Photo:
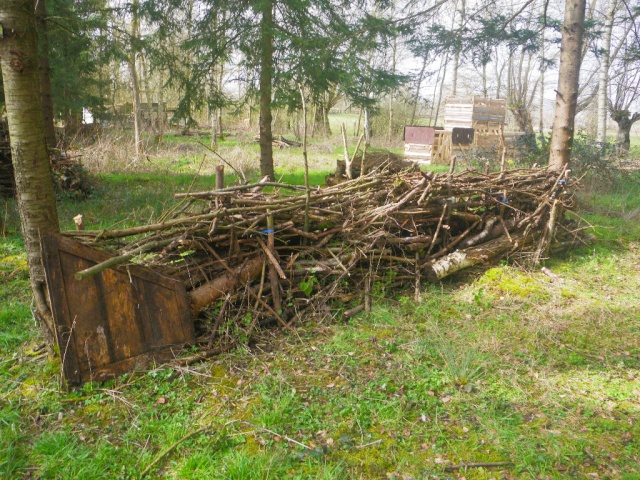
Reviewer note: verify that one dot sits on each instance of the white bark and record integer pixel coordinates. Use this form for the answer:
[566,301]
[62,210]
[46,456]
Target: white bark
[601,132]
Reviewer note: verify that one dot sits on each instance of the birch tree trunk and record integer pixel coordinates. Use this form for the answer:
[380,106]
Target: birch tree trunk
[601,127]
[34,182]
[568,84]
[367,127]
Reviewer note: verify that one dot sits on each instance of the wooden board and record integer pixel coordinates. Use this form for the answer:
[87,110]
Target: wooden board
[419,135]
[462,136]
[418,152]
[115,321]
[471,112]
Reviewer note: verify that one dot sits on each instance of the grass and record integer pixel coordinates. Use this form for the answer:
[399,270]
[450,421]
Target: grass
[501,365]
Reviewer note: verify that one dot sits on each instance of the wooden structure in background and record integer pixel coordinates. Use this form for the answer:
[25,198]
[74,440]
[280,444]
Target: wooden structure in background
[116,320]
[479,113]
[421,142]
[469,122]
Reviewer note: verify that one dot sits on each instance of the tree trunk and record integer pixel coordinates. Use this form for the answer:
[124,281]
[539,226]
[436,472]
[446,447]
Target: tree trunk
[625,121]
[213,111]
[367,127]
[393,70]
[266,80]
[456,57]
[568,83]
[416,97]
[34,182]
[522,116]
[45,74]
[321,119]
[543,67]
[135,84]
[601,128]
[220,82]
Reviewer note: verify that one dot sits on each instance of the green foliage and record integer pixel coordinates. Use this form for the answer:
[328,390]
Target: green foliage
[77,51]
[307,285]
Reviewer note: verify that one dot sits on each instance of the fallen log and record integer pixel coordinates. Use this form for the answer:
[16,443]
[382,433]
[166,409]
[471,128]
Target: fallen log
[209,292]
[487,252]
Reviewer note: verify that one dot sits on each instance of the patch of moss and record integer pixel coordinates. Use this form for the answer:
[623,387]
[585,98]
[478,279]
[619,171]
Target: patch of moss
[506,281]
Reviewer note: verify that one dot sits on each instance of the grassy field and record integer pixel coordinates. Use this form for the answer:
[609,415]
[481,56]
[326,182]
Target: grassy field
[498,373]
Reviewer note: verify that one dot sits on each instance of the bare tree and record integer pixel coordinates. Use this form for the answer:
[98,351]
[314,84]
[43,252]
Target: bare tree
[624,82]
[601,130]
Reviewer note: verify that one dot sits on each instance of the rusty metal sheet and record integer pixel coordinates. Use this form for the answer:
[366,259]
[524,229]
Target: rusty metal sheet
[462,136]
[115,321]
[419,135]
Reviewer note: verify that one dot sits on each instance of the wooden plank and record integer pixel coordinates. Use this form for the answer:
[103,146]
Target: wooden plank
[115,320]
[64,323]
[419,135]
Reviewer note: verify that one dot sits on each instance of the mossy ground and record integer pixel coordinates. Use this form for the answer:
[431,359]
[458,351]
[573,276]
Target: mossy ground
[505,366]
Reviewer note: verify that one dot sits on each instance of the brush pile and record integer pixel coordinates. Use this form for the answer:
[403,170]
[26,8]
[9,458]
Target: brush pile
[70,178]
[251,258]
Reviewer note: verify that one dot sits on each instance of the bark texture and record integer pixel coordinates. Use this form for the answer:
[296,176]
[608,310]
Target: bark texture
[568,84]
[34,182]
[266,80]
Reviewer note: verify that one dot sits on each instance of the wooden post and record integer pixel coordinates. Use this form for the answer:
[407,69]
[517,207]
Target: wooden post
[79,221]
[273,273]
[347,159]
[219,177]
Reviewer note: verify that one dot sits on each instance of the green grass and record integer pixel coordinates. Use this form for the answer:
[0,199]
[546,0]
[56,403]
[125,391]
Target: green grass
[503,367]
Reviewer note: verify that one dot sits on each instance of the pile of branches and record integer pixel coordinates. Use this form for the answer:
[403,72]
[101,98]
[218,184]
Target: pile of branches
[70,178]
[251,258]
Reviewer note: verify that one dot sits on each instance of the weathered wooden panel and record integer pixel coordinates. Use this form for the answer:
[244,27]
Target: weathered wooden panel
[471,112]
[419,135]
[118,319]
[417,152]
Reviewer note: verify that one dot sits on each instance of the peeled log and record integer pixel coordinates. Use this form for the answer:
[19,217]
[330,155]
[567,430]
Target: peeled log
[461,259]
[208,293]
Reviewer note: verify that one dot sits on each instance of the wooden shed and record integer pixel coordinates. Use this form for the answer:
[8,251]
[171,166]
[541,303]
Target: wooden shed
[468,122]
[420,142]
